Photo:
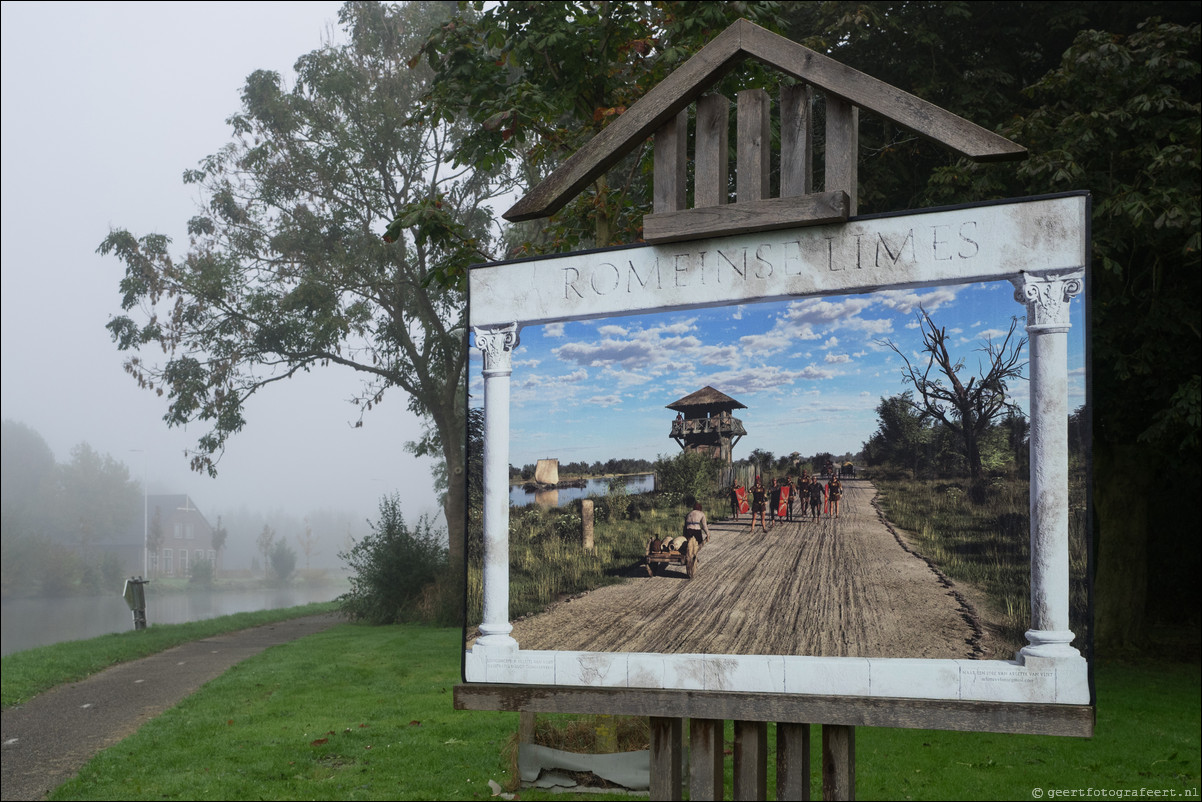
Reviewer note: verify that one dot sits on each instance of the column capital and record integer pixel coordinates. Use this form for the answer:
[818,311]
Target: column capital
[496,343]
[1047,297]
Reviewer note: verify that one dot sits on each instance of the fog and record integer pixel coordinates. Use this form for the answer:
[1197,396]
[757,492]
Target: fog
[104,106]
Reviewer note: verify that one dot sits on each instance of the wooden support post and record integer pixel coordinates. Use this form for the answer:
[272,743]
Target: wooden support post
[665,758]
[751,760]
[838,762]
[671,164]
[711,162]
[526,726]
[796,141]
[843,149]
[793,761]
[706,774]
[586,524]
[753,162]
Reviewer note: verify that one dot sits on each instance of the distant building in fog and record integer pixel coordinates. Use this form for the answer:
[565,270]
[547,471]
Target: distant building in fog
[177,537]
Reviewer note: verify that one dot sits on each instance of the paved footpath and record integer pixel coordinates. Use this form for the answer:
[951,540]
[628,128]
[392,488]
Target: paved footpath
[49,739]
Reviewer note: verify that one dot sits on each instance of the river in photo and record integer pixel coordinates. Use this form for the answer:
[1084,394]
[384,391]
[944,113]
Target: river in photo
[593,488]
[27,623]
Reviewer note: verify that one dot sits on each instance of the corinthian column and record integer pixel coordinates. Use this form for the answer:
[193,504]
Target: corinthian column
[1047,300]
[496,343]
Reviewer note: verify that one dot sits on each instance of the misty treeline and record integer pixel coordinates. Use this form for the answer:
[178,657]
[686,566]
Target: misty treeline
[56,517]
[76,527]
[425,112]
[614,466]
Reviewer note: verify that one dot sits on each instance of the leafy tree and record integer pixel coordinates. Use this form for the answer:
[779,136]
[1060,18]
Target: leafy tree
[27,479]
[968,407]
[286,269]
[392,568]
[1119,115]
[281,560]
[539,79]
[903,435]
[308,542]
[688,476]
[220,535]
[265,542]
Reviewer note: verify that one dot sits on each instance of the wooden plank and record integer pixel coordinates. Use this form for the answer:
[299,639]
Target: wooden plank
[526,727]
[741,40]
[843,150]
[745,218]
[793,761]
[751,760]
[862,90]
[796,140]
[661,103]
[753,162]
[934,714]
[665,758]
[706,759]
[711,170]
[838,762]
[671,164]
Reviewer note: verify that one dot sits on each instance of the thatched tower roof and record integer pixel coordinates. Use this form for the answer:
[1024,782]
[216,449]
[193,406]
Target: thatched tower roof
[707,399]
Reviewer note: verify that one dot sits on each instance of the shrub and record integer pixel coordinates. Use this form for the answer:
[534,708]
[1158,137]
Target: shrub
[688,476]
[393,568]
[202,573]
[282,561]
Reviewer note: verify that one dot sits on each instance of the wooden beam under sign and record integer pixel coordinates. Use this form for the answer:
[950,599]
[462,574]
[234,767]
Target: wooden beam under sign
[1029,718]
[745,218]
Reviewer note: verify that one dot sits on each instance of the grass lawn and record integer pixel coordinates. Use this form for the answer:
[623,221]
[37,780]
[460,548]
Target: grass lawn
[32,671]
[360,712]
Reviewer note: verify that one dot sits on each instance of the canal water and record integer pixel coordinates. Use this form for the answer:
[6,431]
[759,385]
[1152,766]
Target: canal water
[26,623]
[594,488]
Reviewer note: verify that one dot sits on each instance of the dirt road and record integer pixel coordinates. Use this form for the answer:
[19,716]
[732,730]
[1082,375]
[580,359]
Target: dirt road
[839,587]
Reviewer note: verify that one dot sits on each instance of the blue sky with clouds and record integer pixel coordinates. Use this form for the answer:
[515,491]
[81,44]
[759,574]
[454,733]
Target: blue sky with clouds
[810,371]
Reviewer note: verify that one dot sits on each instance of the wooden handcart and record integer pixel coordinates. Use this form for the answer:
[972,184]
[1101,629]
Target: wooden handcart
[660,555]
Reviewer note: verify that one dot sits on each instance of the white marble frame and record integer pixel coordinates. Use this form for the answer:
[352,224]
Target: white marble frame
[1040,244]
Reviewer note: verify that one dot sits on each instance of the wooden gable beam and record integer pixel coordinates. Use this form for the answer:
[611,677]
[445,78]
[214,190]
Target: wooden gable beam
[642,119]
[742,40]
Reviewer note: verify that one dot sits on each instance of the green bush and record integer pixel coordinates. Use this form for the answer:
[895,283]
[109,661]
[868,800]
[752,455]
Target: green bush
[687,477]
[395,569]
[202,573]
[282,561]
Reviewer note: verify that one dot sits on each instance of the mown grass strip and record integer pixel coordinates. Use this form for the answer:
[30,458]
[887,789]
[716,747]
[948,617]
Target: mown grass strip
[28,673]
[360,712]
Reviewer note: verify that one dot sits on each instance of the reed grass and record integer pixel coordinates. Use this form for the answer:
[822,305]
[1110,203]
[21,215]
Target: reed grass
[547,561]
[987,545]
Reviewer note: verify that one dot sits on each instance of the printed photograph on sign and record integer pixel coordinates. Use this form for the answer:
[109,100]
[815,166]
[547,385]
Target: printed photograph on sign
[838,476]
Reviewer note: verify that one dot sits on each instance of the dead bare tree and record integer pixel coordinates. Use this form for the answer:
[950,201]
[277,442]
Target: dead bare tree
[967,407]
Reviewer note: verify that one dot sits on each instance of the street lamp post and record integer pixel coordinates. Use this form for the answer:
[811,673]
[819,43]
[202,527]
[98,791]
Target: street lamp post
[145,512]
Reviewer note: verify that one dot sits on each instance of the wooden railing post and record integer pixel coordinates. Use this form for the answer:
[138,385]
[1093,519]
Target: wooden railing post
[793,761]
[665,758]
[751,760]
[838,762]
[706,770]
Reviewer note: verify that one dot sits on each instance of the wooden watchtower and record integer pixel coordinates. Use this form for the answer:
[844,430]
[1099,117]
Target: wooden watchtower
[706,423]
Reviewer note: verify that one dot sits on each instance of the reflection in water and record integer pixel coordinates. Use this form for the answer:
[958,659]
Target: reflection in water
[520,497]
[38,622]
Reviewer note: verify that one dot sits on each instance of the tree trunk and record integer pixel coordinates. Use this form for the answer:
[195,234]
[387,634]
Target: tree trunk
[1121,488]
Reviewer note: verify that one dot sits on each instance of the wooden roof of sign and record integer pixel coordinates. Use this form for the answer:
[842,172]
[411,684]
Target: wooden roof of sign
[706,397]
[660,110]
